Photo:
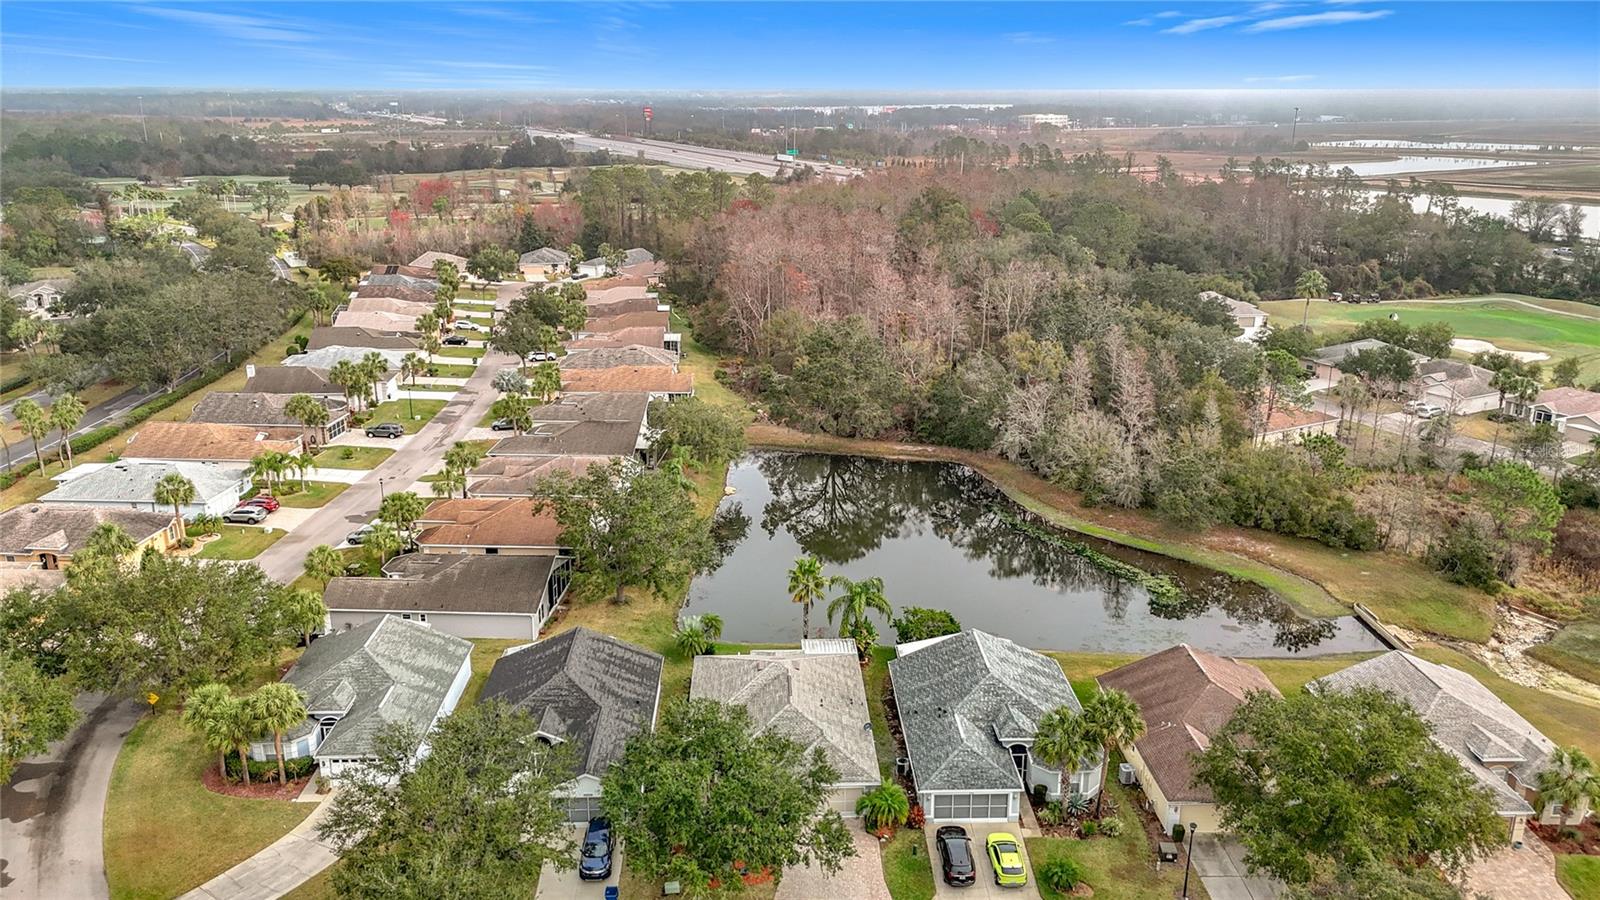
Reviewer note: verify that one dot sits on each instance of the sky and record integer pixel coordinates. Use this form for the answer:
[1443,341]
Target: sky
[798,46]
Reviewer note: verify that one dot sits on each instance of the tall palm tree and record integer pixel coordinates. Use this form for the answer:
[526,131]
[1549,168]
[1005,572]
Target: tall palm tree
[545,382]
[807,585]
[35,424]
[241,728]
[324,563]
[1111,718]
[278,707]
[447,482]
[210,712]
[346,375]
[384,539]
[310,413]
[1569,780]
[374,366]
[856,599]
[65,414]
[1062,742]
[176,490]
[304,463]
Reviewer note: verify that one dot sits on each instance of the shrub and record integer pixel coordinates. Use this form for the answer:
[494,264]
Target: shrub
[1465,556]
[916,817]
[1111,827]
[347,453]
[1090,828]
[917,623]
[884,807]
[1060,874]
[1077,806]
[267,769]
[1049,814]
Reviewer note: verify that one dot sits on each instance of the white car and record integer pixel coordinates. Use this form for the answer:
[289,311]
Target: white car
[468,325]
[1428,411]
[541,356]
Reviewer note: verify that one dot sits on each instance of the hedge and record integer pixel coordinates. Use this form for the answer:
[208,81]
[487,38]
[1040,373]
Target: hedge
[11,384]
[267,769]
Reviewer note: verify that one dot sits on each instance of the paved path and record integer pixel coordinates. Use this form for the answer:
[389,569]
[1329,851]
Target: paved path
[1220,866]
[52,811]
[861,878]
[277,869]
[412,459]
[1507,874]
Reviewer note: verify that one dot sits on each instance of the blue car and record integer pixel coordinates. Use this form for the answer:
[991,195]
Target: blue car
[594,863]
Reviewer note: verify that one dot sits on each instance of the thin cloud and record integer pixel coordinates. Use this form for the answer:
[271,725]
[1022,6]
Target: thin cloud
[500,13]
[1029,37]
[1313,20]
[1139,22]
[1272,6]
[1279,79]
[254,29]
[1193,25]
[1168,14]
[72,54]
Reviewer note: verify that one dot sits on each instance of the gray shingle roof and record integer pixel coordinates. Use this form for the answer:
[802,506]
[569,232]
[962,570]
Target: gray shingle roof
[230,408]
[544,256]
[372,339]
[816,700]
[1468,720]
[1334,354]
[612,357]
[954,695]
[387,670]
[135,482]
[291,380]
[599,424]
[63,529]
[447,583]
[326,357]
[589,689]
[398,280]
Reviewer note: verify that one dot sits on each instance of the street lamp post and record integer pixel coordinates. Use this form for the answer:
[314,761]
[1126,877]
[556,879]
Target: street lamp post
[1188,860]
[380,490]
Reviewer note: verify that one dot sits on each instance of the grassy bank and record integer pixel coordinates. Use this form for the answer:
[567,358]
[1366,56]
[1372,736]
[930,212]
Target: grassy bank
[1568,722]
[1575,650]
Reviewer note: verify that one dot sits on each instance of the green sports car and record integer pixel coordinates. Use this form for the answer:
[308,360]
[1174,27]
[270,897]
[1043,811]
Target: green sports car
[1005,857]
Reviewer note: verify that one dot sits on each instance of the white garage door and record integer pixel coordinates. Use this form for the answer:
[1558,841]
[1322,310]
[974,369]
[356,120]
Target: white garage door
[971,806]
[582,809]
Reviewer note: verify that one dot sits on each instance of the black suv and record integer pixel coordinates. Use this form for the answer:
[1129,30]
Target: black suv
[955,855]
[386,430]
[594,862]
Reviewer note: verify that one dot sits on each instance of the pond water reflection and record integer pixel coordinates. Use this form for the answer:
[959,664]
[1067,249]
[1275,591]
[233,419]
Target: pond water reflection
[934,533]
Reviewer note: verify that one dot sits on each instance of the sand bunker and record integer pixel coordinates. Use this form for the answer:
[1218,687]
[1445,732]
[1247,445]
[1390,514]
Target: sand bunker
[1469,345]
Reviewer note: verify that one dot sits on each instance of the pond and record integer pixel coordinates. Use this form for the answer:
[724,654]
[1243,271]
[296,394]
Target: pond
[942,536]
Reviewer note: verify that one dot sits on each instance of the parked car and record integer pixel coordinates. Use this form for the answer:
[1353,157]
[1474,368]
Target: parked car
[455,340]
[502,425]
[1005,857]
[541,356]
[955,855]
[245,515]
[265,501]
[594,861]
[358,536]
[389,430]
[464,325]
[1428,411]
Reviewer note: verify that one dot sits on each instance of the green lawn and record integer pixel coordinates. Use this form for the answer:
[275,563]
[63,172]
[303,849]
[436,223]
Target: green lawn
[439,388]
[906,867]
[358,457]
[240,542]
[1567,722]
[1580,875]
[474,305]
[315,494]
[446,370]
[318,887]
[484,653]
[1119,868]
[877,676]
[165,834]
[461,352]
[1575,649]
[402,411]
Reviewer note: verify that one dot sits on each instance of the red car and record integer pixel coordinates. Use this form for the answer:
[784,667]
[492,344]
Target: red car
[265,501]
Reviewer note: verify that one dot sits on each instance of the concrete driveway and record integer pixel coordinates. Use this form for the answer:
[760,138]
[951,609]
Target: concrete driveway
[1220,865]
[985,887]
[860,878]
[564,884]
[51,813]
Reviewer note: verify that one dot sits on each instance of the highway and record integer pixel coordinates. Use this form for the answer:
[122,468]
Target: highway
[734,162]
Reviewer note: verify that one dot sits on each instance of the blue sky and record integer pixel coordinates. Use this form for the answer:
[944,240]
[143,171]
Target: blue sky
[1320,44]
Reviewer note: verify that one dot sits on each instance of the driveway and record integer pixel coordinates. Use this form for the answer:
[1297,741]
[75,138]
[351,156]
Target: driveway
[984,887]
[55,804]
[1220,865]
[1507,874]
[860,878]
[564,884]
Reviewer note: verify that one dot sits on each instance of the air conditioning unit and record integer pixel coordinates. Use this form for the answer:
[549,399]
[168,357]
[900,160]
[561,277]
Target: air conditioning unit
[1125,774]
[902,765]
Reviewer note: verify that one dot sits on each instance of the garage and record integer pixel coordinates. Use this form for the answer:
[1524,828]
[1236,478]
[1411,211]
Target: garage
[582,809]
[964,807]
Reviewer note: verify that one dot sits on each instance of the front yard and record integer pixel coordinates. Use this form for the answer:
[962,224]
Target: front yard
[1118,868]
[444,370]
[348,457]
[401,411]
[1580,875]
[240,542]
[315,494]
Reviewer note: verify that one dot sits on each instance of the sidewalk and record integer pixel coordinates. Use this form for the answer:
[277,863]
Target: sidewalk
[284,865]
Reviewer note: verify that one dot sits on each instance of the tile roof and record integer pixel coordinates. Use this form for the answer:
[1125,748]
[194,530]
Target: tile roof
[954,694]
[488,522]
[63,529]
[643,336]
[628,379]
[591,690]
[365,338]
[133,481]
[816,700]
[611,357]
[518,476]
[1184,695]
[1468,720]
[447,582]
[385,671]
[1570,401]
[202,441]
[238,408]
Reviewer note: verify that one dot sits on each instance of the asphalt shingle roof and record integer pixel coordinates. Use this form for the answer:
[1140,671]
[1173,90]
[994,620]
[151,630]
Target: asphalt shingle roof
[600,424]
[544,256]
[205,441]
[427,582]
[611,357]
[135,482]
[365,338]
[517,476]
[230,408]
[488,522]
[63,529]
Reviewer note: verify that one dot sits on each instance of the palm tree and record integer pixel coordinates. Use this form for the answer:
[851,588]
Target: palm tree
[310,413]
[65,414]
[447,482]
[324,563]
[574,257]
[385,539]
[263,466]
[278,707]
[374,367]
[210,712]
[856,599]
[431,343]
[304,462]
[1310,284]
[807,585]
[697,634]
[241,728]
[546,381]
[514,409]
[346,375]
[35,424]
[411,365]
[1062,742]
[177,490]
[1569,781]
[884,807]
[1111,718]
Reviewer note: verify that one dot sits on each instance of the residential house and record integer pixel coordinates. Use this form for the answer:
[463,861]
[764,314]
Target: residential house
[359,682]
[290,380]
[204,442]
[269,413]
[39,299]
[612,357]
[1574,412]
[324,359]
[540,264]
[404,276]
[378,320]
[519,476]
[811,696]
[414,309]
[365,338]
[1323,365]
[393,292]
[130,484]
[426,261]
[622,305]
[1495,744]
[969,706]
[642,336]
[1459,387]
[1185,696]
[1251,319]
[467,596]
[491,526]
[1285,426]
[635,260]
[658,382]
[46,535]
[634,323]
[588,691]
[615,425]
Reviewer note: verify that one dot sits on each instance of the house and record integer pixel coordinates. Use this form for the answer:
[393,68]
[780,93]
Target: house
[540,264]
[394,305]
[426,261]
[643,336]
[1185,696]
[324,359]
[467,596]
[129,484]
[617,304]
[588,691]
[46,535]
[366,338]
[291,380]
[659,382]
[1250,318]
[519,476]
[614,425]
[491,526]
[378,320]
[392,292]
[204,442]
[612,357]
[39,299]
[1574,412]
[1285,426]
[1489,739]
[1323,365]
[969,706]
[636,258]
[810,696]
[1460,387]
[635,324]
[359,682]
[269,413]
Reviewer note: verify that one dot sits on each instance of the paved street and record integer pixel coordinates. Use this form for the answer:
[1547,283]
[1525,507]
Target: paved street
[413,458]
[1220,866]
[22,446]
[51,813]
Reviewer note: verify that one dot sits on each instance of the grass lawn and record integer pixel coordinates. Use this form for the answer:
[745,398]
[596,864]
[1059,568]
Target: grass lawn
[461,352]
[315,494]
[402,410]
[1119,868]
[1575,650]
[910,877]
[1580,875]
[240,542]
[445,370]
[318,887]
[484,653]
[360,457]
[1567,722]
[165,833]
[474,305]
[877,675]
[703,364]
[438,388]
